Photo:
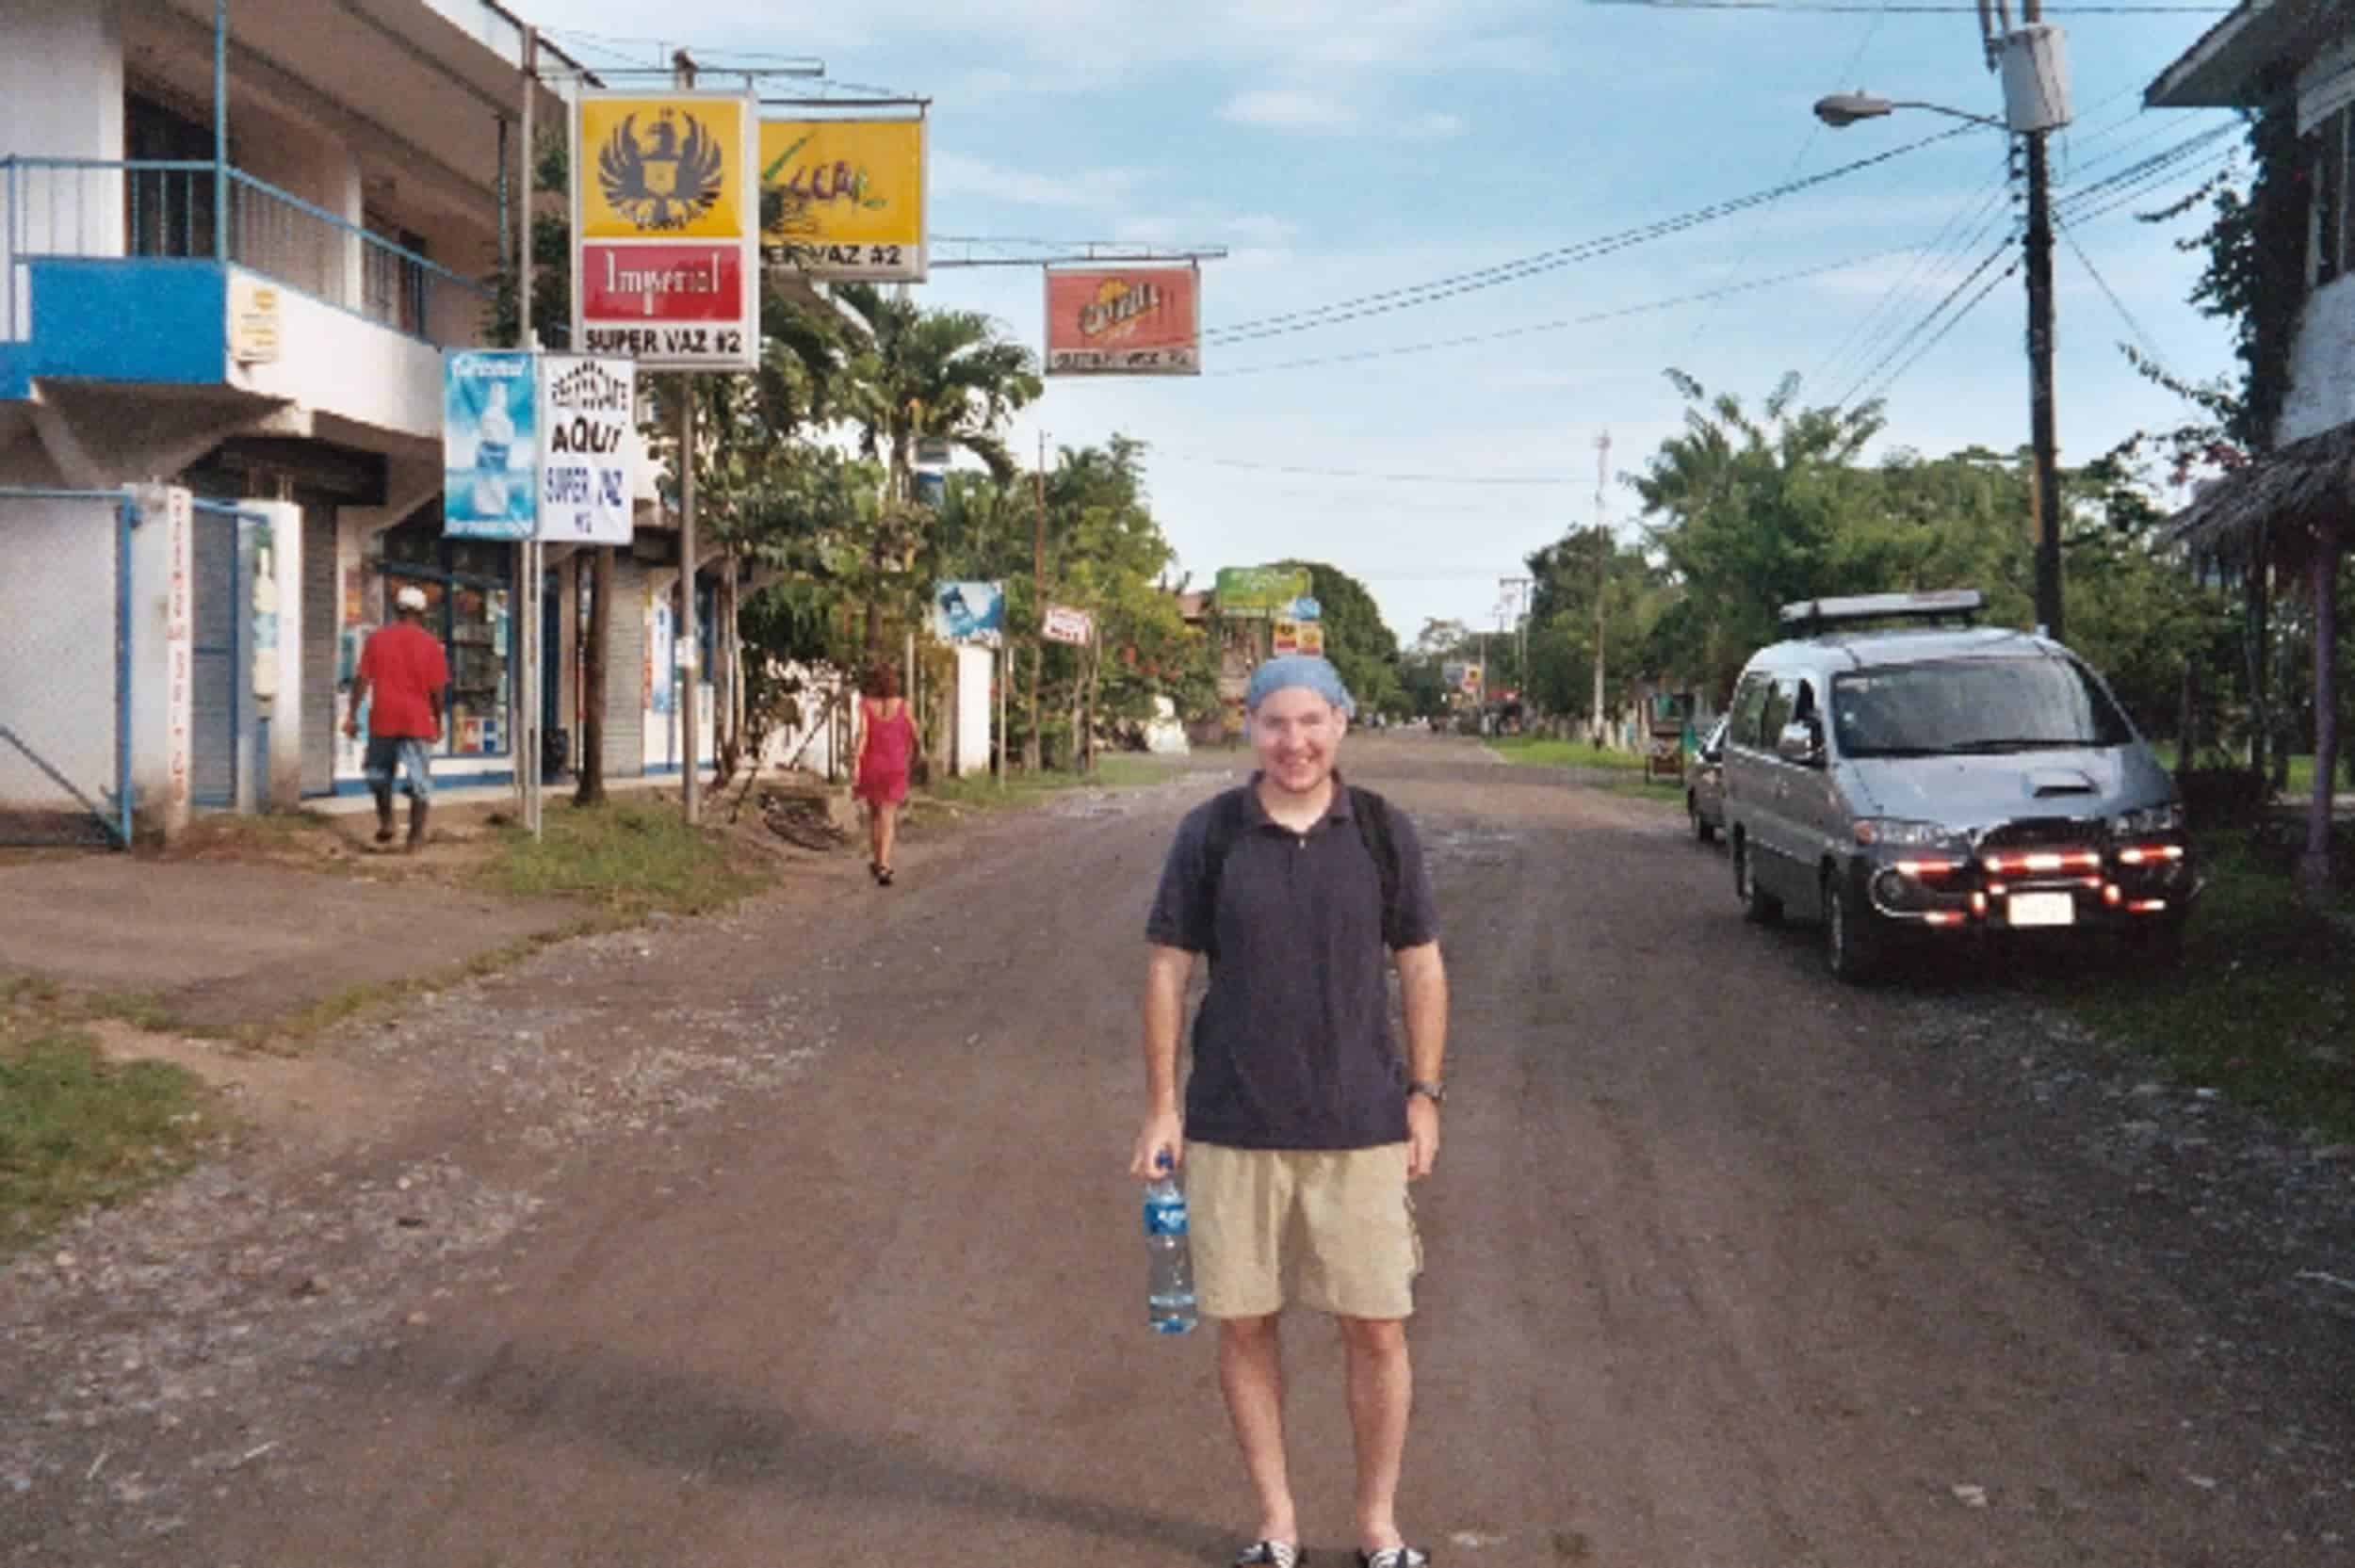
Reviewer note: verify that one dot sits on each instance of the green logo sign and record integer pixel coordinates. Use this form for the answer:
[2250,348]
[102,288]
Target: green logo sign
[1259,589]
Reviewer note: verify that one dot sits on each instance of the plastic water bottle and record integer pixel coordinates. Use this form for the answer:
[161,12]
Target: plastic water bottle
[1169,1282]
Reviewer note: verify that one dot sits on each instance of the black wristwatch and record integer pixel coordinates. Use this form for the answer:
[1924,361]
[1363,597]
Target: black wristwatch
[1431,1088]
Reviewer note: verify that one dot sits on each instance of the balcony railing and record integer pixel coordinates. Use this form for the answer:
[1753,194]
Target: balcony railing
[163,209]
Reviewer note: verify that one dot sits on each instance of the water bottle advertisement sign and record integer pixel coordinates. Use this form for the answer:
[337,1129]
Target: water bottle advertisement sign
[490,444]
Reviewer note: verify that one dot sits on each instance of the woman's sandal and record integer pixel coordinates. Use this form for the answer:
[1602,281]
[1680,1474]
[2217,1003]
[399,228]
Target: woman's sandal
[1271,1554]
[1394,1556]
[883,876]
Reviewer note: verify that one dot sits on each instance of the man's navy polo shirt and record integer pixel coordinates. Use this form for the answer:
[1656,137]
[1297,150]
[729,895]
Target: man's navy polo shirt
[1293,1047]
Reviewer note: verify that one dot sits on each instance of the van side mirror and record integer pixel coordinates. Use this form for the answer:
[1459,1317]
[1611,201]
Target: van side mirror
[1802,743]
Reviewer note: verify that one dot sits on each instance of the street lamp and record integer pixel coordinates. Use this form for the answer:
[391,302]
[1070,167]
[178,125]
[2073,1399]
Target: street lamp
[1842,109]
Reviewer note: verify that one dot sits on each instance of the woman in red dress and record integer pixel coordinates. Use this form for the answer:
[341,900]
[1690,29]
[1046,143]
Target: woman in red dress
[886,748]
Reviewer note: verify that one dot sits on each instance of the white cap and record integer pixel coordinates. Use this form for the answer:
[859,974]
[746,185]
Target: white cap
[410,598]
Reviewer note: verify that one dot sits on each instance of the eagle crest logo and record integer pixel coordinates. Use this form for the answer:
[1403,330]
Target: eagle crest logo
[664,179]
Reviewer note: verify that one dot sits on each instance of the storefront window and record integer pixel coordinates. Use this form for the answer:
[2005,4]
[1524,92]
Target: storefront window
[469,606]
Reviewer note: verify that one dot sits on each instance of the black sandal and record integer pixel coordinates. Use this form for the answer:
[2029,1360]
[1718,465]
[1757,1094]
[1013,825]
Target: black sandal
[883,876]
[1271,1554]
[1394,1556]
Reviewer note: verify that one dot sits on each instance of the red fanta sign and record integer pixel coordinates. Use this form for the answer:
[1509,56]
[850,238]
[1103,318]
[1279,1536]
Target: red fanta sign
[1123,321]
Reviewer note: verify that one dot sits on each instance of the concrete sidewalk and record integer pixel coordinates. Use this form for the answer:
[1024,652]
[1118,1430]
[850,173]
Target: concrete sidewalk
[221,945]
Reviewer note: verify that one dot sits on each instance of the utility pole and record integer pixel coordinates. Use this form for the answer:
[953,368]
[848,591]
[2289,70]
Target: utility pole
[690,781]
[1517,595]
[1602,576]
[2048,503]
[1033,752]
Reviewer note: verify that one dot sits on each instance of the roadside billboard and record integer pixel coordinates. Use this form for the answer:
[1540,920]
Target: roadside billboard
[490,442]
[1066,624]
[969,612]
[849,196]
[1260,592]
[588,410]
[1123,321]
[1299,636]
[665,220]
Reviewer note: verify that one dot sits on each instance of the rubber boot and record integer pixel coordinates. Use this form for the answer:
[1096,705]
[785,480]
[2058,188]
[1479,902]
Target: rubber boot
[383,812]
[416,824]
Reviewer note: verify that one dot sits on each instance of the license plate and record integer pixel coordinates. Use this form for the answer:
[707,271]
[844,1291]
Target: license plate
[2042,909]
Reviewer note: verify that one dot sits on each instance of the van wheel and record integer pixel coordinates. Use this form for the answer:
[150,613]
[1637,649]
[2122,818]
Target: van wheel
[1759,907]
[1851,946]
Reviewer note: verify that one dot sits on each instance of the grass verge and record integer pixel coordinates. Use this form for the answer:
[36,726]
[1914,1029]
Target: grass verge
[76,1129]
[1120,770]
[2263,1007]
[1619,772]
[627,858]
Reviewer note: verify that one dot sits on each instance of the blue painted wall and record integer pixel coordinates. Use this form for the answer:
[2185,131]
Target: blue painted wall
[140,320]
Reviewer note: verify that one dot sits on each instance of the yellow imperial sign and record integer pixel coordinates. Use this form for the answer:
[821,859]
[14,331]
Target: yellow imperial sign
[847,196]
[662,168]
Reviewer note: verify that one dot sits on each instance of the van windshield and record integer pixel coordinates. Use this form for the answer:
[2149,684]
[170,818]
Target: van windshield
[1973,705]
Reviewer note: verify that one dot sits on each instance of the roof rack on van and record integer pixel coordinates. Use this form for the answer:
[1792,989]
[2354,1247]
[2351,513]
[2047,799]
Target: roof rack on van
[1806,617]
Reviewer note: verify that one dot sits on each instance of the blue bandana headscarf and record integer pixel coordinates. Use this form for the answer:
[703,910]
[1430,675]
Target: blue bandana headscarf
[1301,669]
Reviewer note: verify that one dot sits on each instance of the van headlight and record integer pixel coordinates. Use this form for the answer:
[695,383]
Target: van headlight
[2164,818]
[1896,833]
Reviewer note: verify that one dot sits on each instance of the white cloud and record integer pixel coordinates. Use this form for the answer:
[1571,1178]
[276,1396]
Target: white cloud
[956,174]
[1289,110]
[1436,125]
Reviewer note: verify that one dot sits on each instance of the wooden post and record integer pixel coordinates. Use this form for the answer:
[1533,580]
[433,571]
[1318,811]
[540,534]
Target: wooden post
[2313,867]
[591,791]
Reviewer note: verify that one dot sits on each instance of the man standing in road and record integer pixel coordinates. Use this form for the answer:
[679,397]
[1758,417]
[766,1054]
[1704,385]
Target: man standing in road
[1301,1127]
[404,667]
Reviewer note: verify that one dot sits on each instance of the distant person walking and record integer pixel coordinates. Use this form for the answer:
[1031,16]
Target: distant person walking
[405,670]
[887,748]
[1301,1125]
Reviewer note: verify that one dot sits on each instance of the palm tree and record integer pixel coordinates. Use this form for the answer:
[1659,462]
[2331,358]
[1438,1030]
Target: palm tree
[944,374]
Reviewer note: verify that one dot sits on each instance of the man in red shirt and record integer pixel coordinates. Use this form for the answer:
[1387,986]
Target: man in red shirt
[404,667]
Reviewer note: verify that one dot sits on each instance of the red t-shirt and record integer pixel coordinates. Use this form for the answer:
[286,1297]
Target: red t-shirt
[402,665]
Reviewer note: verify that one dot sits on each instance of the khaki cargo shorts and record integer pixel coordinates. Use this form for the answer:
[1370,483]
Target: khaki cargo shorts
[1338,1220]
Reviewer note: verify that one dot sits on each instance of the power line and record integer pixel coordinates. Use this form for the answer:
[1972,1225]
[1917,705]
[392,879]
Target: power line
[2155,164]
[2196,169]
[1723,291]
[2117,304]
[1815,127]
[1849,398]
[1545,261]
[1952,322]
[1958,237]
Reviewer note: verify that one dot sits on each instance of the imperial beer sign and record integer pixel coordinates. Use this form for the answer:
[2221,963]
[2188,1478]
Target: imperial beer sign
[666,217]
[1123,321]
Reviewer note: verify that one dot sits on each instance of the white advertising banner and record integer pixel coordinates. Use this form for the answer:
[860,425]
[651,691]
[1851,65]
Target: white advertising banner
[1066,624]
[586,410]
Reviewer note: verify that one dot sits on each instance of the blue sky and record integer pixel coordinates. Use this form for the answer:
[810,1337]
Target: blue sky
[1340,147]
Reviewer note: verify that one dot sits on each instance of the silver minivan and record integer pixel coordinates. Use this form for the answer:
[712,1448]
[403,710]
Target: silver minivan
[1885,774]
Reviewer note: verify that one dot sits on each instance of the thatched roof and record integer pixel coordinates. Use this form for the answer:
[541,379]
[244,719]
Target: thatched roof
[2285,492]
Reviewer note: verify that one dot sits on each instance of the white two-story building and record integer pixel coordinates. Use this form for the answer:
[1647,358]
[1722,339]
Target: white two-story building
[234,239]
[2296,58]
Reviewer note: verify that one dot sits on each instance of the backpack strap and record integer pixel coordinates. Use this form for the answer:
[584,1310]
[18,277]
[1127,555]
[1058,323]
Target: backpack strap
[1227,819]
[1373,816]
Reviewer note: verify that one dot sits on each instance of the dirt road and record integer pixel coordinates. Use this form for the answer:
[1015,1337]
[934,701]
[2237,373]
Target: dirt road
[803,1237]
